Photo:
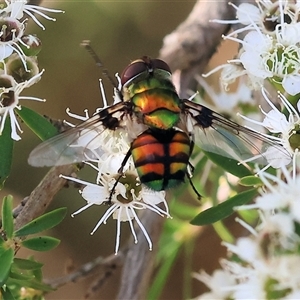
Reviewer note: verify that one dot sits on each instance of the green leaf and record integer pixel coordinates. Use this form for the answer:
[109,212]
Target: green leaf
[228,164]
[250,181]
[6,260]
[37,123]
[27,264]
[7,216]
[6,294]
[6,152]
[33,284]
[224,209]
[17,275]
[44,222]
[42,243]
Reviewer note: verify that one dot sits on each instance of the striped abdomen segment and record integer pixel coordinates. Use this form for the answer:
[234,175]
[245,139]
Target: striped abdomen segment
[161,158]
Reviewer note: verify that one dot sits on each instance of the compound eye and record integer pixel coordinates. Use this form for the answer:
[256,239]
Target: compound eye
[135,68]
[160,64]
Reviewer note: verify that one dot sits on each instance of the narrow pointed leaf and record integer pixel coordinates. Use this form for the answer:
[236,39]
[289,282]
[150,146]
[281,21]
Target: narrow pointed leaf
[20,276]
[6,260]
[37,123]
[229,165]
[33,284]
[224,209]
[44,222]
[27,264]
[7,216]
[42,243]
[6,152]
[250,181]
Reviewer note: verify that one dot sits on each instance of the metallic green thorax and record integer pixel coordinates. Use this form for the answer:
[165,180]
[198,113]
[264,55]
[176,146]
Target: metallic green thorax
[155,100]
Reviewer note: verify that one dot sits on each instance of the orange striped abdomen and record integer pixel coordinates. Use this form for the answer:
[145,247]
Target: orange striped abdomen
[161,157]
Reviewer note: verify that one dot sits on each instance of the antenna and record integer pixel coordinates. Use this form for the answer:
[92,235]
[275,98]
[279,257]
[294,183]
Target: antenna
[87,45]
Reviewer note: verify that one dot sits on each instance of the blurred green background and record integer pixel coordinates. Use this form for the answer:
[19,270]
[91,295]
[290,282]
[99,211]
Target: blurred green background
[120,31]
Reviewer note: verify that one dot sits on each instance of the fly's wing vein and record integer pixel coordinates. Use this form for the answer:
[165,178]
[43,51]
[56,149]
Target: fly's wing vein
[81,143]
[214,133]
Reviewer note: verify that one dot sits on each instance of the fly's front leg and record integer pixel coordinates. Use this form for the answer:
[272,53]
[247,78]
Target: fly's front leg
[120,172]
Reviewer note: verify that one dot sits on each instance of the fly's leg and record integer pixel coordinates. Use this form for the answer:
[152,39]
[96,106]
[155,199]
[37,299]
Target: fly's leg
[194,188]
[120,172]
[189,174]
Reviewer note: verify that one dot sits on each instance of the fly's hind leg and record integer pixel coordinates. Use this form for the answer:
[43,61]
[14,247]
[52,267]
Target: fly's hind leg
[189,174]
[194,189]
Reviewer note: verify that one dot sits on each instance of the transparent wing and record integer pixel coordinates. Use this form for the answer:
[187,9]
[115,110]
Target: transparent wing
[81,143]
[215,133]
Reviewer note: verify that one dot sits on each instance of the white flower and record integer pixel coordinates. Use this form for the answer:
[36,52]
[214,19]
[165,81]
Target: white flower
[11,32]
[286,129]
[124,202]
[245,248]
[273,57]
[266,263]
[17,8]
[9,100]
[282,196]
[218,283]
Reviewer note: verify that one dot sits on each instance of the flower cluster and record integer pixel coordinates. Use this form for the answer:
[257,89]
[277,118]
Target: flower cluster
[269,47]
[264,264]
[120,188]
[18,62]
[285,128]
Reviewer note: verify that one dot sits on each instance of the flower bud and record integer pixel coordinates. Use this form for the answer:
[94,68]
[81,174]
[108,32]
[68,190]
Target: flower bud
[15,67]
[31,45]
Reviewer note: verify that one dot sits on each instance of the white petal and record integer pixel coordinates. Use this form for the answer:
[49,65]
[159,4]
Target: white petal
[95,194]
[257,42]
[269,202]
[277,158]
[245,248]
[255,65]
[17,9]
[121,214]
[276,122]
[153,197]
[248,13]
[291,84]
[218,282]
[5,51]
